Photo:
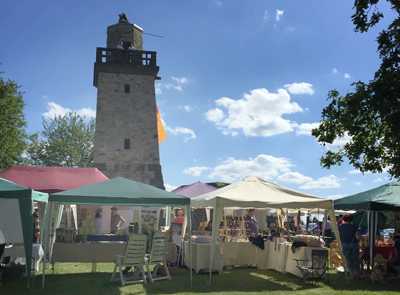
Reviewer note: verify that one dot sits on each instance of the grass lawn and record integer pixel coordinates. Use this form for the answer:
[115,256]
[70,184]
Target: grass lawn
[76,279]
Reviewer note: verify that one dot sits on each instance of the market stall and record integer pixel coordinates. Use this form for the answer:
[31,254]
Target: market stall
[16,220]
[374,202]
[254,192]
[117,192]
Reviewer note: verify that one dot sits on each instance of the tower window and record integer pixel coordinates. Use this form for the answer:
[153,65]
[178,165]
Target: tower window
[127,143]
[127,88]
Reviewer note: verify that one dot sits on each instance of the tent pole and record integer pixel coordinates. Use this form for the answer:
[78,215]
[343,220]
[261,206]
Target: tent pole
[213,239]
[189,222]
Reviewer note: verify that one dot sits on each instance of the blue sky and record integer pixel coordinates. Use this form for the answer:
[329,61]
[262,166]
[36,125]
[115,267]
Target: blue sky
[242,81]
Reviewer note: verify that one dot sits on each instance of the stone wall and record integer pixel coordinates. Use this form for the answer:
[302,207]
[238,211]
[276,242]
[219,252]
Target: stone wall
[127,116]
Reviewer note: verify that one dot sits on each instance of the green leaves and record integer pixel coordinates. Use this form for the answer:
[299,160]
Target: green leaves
[370,115]
[65,141]
[12,123]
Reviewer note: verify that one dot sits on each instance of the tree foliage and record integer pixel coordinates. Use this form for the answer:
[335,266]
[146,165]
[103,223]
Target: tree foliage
[370,114]
[12,123]
[65,141]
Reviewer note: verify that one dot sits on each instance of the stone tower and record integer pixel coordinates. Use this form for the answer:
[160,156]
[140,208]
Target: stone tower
[126,138]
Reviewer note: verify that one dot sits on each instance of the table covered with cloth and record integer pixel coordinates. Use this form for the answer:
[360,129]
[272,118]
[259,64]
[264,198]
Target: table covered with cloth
[282,256]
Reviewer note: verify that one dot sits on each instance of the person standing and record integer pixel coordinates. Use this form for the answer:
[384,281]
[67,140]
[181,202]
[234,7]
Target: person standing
[348,235]
[116,220]
[98,218]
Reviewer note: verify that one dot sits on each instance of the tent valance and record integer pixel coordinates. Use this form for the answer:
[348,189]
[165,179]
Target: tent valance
[385,197]
[119,191]
[254,192]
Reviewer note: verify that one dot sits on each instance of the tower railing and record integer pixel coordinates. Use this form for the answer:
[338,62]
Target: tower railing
[126,56]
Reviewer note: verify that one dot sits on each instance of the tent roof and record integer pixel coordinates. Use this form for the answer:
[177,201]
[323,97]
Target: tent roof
[52,179]
[10,190]
[254,192]
[195,189]
[385,197]
[119,191]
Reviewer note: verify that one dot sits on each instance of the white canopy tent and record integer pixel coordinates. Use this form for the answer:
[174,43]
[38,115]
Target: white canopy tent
[254,192]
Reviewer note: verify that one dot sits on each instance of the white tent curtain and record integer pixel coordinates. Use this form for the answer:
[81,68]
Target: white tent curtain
[74,215]
[53,215]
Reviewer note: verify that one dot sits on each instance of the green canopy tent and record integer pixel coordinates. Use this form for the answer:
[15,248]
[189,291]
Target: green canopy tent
[116,191]
[24,196]
[382,198]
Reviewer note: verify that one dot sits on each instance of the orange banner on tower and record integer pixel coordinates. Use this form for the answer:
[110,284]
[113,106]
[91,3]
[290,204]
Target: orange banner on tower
[162,133]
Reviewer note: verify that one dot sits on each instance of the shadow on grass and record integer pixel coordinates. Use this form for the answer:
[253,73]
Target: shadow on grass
[65,284]
[340,282]
[237,280]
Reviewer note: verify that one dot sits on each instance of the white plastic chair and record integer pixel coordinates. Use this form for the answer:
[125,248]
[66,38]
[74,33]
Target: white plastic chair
[158,258]
[133,260]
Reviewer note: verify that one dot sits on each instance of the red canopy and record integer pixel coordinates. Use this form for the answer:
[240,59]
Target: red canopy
[52,179]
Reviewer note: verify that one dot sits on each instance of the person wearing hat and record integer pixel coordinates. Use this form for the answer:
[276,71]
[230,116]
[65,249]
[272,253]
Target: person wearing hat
[116,220]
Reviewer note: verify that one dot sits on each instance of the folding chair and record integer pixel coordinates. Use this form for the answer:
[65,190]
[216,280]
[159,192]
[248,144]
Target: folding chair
[158,259]
[133,261]
[317,268]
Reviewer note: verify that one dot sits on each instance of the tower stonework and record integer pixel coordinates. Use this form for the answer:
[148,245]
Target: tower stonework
[126,138]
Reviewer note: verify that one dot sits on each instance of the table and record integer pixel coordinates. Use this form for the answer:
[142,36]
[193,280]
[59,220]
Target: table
[281,258]
[239,254]
[226,254]
[276,255]
[200,259]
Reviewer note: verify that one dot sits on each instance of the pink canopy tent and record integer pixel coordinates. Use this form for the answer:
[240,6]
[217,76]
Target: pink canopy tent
[52,179]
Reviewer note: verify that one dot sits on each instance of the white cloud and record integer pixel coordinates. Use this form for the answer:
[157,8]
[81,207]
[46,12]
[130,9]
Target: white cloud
[159,88]
[258,113]
[294,178]
[278,14]
[266,16]
[355,172]
[215,115]
[324,182]
[195,171]
[300,88]
[174,83]
[169,187]
[339,143]
[264,166]
[335,71]
[186,108]
[56,110]
[179,83]
[187,132]
[305,128]
[346,76]
[270,168]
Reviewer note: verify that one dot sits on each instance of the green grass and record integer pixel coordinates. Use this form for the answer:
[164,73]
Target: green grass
[76,279]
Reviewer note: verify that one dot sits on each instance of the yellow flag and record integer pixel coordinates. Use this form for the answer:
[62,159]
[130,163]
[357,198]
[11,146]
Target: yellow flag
[162,134]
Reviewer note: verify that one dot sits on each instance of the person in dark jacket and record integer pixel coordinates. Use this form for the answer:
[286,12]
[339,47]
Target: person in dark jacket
[349,238]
